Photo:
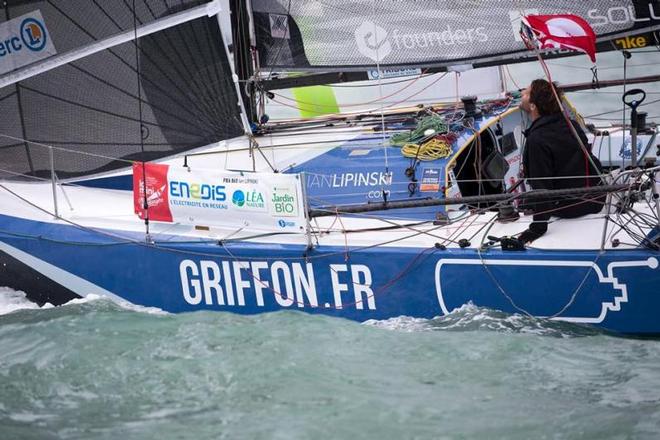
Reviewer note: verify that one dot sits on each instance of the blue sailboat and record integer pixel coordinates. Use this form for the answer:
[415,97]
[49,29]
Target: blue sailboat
[137,163]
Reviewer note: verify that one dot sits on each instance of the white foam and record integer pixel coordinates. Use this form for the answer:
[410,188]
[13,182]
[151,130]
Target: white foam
[401,323]
[121,303]
[12,300]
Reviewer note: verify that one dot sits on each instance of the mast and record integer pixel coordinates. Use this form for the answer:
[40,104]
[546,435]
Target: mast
[242,52]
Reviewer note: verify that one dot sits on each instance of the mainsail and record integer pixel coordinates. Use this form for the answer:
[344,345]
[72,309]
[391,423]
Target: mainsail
[347,35]
[84,87]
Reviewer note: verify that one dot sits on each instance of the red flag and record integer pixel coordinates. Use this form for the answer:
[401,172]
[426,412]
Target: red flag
[563,31]
[156,186]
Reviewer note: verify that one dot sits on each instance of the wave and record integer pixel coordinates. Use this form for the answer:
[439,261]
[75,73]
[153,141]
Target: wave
[14,300]
[470,317]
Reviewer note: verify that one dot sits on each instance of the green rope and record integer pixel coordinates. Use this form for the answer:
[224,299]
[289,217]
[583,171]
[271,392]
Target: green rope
[434,122]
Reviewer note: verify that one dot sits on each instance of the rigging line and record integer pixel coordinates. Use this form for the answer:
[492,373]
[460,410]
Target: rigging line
[145,202]
[606,92]
[380,90]
[162,248]
[67,149]
[422,75]
[600,68]
[623,228]
[9,95]
[511,76]
[149,58]
[158,247]
[379,99]
[372,111]
[618,110]
[48,179]
[625,54]
[29,176]
[492,277]
[395,225]
[8,146]
[105,144]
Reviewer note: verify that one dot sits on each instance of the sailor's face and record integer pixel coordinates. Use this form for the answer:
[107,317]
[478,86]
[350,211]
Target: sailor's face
[524,102]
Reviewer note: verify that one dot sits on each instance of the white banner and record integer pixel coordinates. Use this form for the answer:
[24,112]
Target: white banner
[261,201]
[24,40]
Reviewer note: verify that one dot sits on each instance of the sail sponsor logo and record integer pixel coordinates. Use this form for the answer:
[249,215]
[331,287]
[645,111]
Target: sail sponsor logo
[629,42]
[24,40]
[248,199]
[199,195]
[372,41]
[621,15]
[377,43]
[279,283]
[284,202]
[626,149]
[350,180]
[285,223]
[197,191]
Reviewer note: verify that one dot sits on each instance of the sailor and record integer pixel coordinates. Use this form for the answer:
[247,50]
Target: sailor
[553,158]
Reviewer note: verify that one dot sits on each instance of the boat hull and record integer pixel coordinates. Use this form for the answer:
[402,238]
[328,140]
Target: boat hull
[616,290]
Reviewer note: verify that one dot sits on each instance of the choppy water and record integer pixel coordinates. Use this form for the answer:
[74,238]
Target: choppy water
[94,369]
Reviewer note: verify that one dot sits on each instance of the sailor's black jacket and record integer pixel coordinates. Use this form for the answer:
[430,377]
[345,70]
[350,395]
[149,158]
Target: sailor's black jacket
[551,155]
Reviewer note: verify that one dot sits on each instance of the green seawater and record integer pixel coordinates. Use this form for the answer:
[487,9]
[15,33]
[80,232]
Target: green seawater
[98,370]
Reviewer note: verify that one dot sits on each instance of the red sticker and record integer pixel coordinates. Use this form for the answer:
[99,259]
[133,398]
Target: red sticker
[156,187]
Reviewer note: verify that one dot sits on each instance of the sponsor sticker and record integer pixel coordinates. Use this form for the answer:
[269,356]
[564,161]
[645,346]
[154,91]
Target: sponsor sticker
[211,198]
[284,201]
[24,40]
[430,180]
[392,73]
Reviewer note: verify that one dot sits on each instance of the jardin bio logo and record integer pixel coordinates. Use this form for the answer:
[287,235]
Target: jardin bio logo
[284,202]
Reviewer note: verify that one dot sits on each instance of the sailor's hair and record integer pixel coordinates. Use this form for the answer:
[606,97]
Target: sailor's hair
[541,95]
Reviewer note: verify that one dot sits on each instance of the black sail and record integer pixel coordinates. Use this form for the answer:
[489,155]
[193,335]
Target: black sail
[181,75]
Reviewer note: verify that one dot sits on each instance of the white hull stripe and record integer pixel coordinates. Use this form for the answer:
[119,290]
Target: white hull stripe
[72,282]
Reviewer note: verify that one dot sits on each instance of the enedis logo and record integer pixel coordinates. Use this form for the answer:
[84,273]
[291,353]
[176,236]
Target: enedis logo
[197,191]
[377,43]
[31,35]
